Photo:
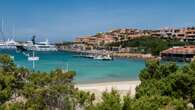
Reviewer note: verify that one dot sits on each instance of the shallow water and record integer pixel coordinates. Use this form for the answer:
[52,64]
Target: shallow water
[87,70]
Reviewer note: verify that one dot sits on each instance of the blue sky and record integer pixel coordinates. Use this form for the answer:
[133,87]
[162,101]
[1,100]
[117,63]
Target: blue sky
[63,20]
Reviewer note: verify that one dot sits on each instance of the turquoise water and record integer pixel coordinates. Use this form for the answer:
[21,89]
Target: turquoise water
[87,70]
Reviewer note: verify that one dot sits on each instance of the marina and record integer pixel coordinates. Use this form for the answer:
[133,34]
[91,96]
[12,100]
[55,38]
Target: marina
[28,45]
[9,44]
[87,70]
[97,55]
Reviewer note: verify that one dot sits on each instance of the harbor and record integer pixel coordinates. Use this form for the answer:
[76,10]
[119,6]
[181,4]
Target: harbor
[98,58]
[97,55]
[88,70]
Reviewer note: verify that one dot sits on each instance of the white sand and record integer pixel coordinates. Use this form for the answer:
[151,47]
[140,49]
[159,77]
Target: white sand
[124,87]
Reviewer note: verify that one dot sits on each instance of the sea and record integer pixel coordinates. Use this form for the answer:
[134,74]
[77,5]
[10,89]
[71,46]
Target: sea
[87,70]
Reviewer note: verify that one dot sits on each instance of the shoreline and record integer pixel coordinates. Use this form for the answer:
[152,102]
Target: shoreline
[123,87]
[116,54]
[104,81]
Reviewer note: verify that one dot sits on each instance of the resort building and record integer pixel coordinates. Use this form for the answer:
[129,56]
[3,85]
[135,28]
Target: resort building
[185,53]
[155,33]
[95,40]
[118,35]
[179,33]
[190,34]
[112,36]
[86,40]
[185,34]
[168,33]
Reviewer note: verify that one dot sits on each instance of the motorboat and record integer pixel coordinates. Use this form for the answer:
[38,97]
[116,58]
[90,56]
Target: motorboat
[98,57]
[103,57]
[9,44]
[108,57]
[40,46]
[33,58]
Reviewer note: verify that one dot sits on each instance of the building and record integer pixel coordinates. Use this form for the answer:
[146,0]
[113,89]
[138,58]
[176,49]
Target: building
[185,53]
[179,33]
[86,40]
[118,35]
[189,34]
[185,34]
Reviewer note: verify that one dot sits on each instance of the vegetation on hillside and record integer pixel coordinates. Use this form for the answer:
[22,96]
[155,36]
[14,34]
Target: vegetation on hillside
[163,87]
[21,89]
[153,45]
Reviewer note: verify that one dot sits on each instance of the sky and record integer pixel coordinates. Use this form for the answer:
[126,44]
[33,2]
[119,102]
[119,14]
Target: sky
[64,20]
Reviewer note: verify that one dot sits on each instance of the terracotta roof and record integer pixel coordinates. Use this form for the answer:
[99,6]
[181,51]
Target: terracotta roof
[181,50]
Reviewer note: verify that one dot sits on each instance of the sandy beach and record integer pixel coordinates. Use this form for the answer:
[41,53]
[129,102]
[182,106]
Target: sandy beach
[124,87]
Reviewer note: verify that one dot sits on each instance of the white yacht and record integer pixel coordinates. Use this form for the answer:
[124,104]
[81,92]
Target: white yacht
[98,57]
[40,46]
[2,43]
[9,44]
[103,57]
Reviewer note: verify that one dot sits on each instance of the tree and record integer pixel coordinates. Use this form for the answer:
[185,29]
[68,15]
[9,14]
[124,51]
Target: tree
[85,99]
[12,106]
[156,70]
[128,103]
[39,90]
[6,63]
[164,86]
[7,78]
[158,103]
[110,101]
[6,86]
[167,80]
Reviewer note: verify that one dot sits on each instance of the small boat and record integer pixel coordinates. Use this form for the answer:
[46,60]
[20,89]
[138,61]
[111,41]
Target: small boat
[102,57]
[108,57]
[89,56]
[98,57]
[33,58]
[85,56]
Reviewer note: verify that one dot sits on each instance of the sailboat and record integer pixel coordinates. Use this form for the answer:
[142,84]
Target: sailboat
[103,57]
[10,43]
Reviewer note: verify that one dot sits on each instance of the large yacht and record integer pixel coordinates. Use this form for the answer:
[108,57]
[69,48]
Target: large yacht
[40,46]
[9,44]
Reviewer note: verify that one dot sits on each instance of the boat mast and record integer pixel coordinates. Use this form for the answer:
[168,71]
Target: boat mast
[33,61]
[2,29]
[13,32]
